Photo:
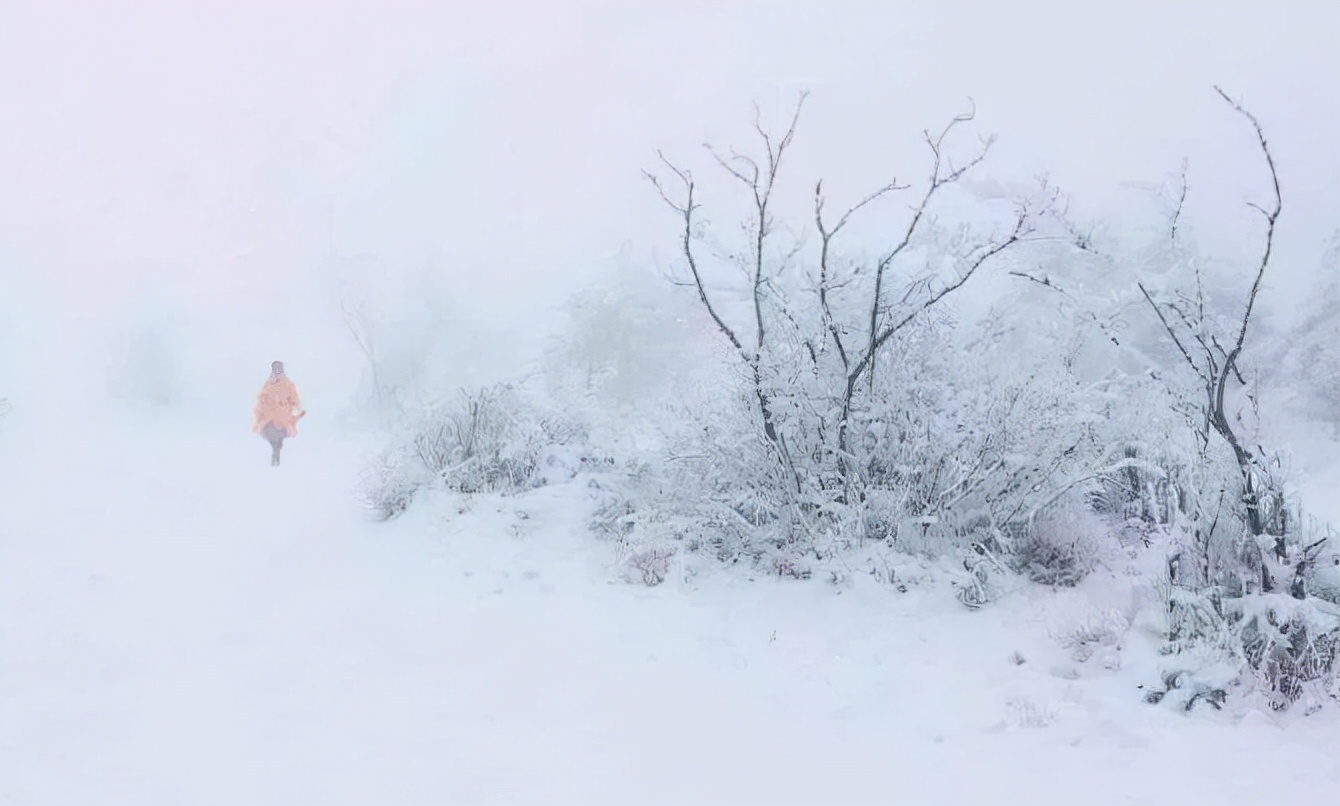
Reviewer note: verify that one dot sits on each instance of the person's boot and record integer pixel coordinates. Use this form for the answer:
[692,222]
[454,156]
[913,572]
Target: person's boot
[274,458]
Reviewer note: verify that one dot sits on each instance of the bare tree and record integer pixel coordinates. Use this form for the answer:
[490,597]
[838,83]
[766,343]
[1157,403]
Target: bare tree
[1213,356]
[760,180]
[775,318]
[862,363]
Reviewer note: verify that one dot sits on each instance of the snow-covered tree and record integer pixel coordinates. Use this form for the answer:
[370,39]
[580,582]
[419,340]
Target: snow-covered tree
[1241,576]
[873,420]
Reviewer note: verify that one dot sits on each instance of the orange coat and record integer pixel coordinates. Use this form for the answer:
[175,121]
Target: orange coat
[278,403]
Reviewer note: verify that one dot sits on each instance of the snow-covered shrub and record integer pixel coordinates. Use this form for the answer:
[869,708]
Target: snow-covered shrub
[1249,609]
[1096,633]
[1064,544]
[1320,571]
[940,458]
[983,572]
[1253,611]
[1289,644]
[731,483]
[649,565]
[1188,689]
[791,564]
[1270,647]
[707,488]
[489,440]
[494,439]
[1028,714]
[387,485]
[636,511]
[975,589]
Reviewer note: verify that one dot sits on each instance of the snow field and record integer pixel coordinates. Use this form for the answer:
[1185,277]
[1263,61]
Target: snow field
[184,624]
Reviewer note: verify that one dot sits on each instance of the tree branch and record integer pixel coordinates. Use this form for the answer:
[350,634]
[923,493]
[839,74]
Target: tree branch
[1244,456]
[686,210]
[761,184]
[1167,326]
[1271,215]
[826,236]
[936,182]
[1181,200]
[1020,229]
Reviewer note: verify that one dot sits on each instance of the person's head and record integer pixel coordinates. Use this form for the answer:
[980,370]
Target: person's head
[277,368]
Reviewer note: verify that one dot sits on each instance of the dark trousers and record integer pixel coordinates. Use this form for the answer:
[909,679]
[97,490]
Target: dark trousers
[274,436]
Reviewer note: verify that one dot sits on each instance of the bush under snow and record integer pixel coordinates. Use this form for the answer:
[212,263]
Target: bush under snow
[493,439]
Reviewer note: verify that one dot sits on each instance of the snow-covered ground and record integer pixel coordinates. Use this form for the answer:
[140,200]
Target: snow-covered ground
[181,623]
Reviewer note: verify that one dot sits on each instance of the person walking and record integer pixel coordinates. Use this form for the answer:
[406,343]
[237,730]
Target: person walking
[278,410]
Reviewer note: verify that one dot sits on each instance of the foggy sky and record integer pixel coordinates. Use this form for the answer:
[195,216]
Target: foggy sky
[234,146]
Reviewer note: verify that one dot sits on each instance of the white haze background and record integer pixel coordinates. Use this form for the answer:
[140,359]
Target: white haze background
[228,157]
[191,190]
